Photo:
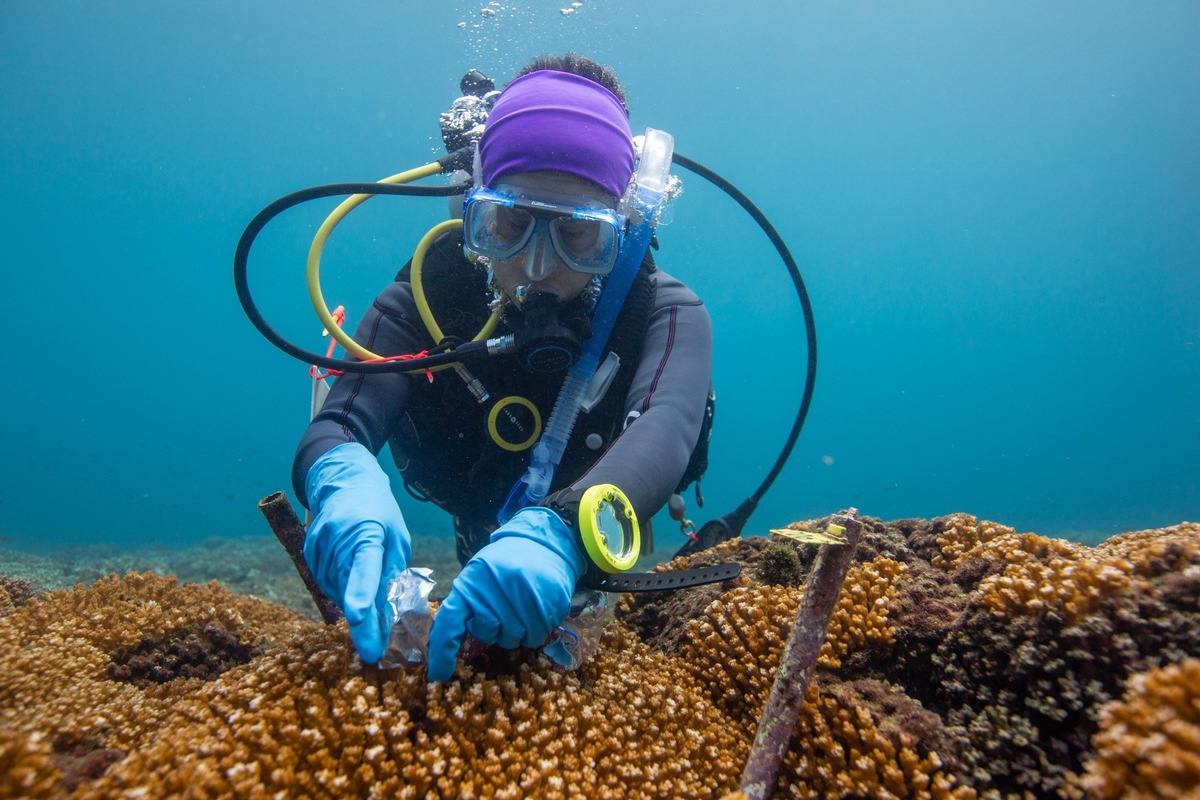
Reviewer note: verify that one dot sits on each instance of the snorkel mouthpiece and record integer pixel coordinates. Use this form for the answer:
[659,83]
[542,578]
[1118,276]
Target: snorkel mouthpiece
[544,342]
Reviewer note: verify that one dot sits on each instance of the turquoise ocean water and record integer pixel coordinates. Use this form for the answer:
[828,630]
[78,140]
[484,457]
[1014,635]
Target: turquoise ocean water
[995,205]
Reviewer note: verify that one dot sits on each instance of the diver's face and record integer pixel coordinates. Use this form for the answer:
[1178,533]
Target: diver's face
[537,268]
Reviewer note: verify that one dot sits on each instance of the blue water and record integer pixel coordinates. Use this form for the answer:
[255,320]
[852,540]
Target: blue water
[995,205]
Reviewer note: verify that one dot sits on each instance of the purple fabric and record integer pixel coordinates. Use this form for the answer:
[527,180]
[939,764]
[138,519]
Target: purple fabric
[550,120]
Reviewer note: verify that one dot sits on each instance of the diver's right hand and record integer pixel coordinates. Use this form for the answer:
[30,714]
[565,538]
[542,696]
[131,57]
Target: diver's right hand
[357,541]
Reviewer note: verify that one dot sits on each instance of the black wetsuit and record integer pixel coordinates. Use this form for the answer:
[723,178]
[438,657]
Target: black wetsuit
[645,428]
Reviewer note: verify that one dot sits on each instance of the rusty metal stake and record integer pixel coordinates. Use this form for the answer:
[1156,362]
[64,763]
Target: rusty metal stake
[782,711]
[290,533]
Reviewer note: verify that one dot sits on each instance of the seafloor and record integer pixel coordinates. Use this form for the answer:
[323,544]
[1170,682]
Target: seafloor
[964,659]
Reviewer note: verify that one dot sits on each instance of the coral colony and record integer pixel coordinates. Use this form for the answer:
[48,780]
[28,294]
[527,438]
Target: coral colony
[963,660]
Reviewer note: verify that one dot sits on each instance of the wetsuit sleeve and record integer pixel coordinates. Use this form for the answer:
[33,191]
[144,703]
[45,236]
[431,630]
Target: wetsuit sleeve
[364,407]
[666,400]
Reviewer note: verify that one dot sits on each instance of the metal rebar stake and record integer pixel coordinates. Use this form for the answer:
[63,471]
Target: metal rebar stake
[290,533]
[782,711]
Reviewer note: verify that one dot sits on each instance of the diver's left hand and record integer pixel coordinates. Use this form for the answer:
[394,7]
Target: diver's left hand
[515,591]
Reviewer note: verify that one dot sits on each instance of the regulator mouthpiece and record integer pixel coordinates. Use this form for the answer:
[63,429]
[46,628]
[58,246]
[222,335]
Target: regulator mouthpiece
[545,342]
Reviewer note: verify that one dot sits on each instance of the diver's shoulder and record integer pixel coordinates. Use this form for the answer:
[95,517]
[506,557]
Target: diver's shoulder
[670,291]
[397,298]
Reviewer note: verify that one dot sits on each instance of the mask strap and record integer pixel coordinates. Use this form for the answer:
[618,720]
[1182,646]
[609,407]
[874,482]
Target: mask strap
[476,169]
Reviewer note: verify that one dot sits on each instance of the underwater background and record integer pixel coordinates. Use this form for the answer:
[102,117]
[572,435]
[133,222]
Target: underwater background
[995,207]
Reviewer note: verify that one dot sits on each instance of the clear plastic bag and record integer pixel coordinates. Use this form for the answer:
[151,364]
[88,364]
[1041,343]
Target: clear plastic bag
[578,638]
[408,619]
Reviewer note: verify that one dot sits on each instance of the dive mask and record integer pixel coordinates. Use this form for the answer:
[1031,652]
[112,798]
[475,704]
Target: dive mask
[499,223]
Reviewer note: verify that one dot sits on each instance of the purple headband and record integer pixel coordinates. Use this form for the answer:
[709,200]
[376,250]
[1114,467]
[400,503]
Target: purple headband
[550,120]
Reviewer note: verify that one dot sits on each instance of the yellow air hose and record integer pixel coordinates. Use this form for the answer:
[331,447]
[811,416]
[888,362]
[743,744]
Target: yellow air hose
[313,272]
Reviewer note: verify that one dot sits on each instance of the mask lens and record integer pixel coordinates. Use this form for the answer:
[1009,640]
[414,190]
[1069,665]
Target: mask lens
[500,226]
[496,230]
[586,245]
[509,225]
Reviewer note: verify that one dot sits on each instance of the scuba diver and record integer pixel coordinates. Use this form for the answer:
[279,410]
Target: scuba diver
[554,248]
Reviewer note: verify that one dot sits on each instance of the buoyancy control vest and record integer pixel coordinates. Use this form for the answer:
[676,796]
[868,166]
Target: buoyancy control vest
[445,448]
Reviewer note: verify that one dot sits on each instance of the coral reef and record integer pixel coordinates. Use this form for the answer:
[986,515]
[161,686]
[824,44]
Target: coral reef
[60,652]
[14,592]
[1149,741]
[1043,643]
[1011,642]
[838,750]
[26,766]
[202,653]
[964,660]
[308,721]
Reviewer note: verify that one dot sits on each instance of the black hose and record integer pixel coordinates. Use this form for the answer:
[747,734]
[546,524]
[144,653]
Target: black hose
[726,527]
[809,323]
[241,282]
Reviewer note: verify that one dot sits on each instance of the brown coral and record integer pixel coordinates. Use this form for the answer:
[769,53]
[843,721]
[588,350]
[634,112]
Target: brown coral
[74,634]
[308,721]
[26,767]
[733,649]
[1071,587]
[861,616]
[195,652]
[839,751]
[961,534]
[1153,553]
[1148,745]
[14,593]
[1044,643]
[934,683]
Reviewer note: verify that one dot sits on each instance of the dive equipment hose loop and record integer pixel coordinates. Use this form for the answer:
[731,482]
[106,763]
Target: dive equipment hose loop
[242,284]
[810,328]
[719,529]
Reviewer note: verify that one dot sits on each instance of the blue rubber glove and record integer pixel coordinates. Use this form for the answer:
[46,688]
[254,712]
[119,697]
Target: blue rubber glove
[357,541]
[515,591]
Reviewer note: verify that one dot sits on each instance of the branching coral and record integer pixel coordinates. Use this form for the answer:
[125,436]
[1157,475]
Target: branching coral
[934,682]
[26,768]
[73,634]
[998,547]
[734,648]
[839,751]
[960,534]
[1148,745]
[660,618]
[1070,587]
[1154,553]
[308,721]
[861,616]
[1045,643]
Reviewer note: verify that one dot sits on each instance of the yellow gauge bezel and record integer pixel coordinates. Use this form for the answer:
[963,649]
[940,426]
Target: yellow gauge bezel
[593,501]
[494,432]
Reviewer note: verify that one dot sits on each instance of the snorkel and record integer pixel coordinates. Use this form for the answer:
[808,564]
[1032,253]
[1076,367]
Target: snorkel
[644,199]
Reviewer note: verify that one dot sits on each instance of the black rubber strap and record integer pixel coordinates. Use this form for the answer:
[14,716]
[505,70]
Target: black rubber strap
[666,581]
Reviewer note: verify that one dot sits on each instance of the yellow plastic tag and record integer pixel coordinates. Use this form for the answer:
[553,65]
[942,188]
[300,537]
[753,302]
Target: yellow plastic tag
[832,535]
